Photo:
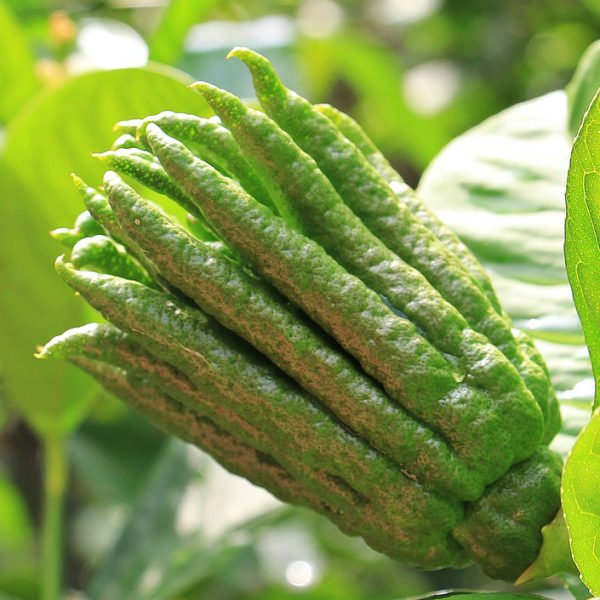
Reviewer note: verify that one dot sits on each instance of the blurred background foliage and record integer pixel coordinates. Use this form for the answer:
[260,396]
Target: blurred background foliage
[144,516]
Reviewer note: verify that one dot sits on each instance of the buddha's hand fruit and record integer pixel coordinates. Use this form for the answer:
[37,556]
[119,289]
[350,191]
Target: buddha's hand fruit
[316,329]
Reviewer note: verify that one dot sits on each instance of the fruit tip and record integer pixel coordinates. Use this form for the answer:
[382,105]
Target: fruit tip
[153,133]
[126,125]
[250,57]
[60,266]
[101,155]
[110,178]
[203,87]
[238,52]
[40,352]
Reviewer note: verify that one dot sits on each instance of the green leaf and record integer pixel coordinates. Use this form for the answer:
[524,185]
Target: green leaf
[150,549]
[53,136]
[581,503]
[501,187]
[16,531]
[582,88]
[17,69]
[167,547]
[582,233]
[120,449]
[166,45]
[17,544]
[150,535]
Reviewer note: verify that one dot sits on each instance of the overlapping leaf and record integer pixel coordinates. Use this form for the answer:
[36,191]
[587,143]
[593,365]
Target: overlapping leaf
[582,254]
[582,232]
[582,504]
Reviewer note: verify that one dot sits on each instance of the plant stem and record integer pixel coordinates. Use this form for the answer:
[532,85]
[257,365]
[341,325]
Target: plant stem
[55,479]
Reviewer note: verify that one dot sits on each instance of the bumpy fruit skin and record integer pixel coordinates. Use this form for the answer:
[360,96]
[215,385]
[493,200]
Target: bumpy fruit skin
[385,214]
[223,289]
[316,329]
[504,527]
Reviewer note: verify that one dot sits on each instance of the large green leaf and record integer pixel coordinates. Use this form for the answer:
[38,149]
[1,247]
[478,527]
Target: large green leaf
[166,44]
[582,254]
[158,555]
[581,503]
[150,538]
[501,187]
[53,136]
[582,232]
[109,458]
[17,72]
[583,86]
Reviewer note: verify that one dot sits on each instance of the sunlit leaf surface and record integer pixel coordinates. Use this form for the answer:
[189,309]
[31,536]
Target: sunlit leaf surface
[581,503]
[582,232]
[17,73]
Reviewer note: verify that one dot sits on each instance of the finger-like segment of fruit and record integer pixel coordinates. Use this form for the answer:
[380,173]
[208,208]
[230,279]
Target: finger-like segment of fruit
[100,253]
[353,513]
[147,170]
[262,395]
[85,225]
[171,416]
[502,530]
[214,143]
[388,347]
[528,348]
[66,236]
[126,140]
[258,314]
[258,467]
[366,193]
[127,126]
[354,133]
[107,344]
[99,207]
